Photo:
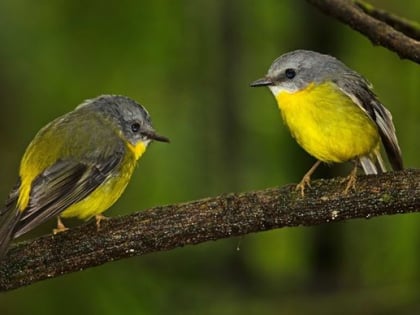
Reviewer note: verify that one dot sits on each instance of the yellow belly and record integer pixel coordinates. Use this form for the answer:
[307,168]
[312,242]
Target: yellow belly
[327,124]
[98,201]
[105,195]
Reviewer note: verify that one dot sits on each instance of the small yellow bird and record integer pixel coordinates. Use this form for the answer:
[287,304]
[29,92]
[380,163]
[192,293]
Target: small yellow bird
[332,113]
[78,165]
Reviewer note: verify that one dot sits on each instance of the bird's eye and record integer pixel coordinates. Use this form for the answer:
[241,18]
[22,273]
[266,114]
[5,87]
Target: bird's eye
[135,127]
[290,73]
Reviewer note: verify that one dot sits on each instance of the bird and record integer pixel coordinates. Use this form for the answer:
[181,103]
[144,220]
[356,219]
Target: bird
[78,165]
[332,113]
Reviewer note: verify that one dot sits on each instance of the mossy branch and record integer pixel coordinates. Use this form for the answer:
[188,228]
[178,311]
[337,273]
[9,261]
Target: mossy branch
[168,227]
[395,33]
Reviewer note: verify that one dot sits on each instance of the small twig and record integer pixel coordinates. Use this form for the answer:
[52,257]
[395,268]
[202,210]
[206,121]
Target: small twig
[378,31]
[168,227]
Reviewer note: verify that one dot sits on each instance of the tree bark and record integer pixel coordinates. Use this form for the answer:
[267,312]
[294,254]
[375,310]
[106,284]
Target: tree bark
[373,24]
[171,226]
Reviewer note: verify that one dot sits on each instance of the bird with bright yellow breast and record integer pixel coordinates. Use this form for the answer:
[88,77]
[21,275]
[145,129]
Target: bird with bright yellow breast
[332,112]
[78,165]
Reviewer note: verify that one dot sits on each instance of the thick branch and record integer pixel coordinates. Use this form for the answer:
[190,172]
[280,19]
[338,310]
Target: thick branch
[373,26]
[172,226]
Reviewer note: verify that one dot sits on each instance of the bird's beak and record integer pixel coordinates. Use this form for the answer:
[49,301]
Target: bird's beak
[154,136]
[262,82]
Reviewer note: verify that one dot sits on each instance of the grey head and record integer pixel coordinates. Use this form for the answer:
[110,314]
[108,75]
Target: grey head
[295,70]
[131,118]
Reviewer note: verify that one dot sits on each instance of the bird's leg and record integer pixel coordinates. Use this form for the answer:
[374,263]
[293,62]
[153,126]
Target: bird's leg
[306,180]
[60,227]
[351,179]
[98,219]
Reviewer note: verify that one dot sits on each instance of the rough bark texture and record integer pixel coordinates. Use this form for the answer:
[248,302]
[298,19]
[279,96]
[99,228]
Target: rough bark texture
[368,22]
[167,227]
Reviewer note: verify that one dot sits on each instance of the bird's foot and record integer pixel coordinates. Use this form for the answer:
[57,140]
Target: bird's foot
[60,227]
[351,181]
[98,219]
[306,181]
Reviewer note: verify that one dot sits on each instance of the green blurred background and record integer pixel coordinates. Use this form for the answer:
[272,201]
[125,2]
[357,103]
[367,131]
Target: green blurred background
[190,62]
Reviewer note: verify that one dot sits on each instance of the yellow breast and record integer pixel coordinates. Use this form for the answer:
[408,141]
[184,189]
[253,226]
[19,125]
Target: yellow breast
[137,149]
[327,124]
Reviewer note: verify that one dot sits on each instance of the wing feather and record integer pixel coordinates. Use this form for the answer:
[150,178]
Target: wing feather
[62,185]
[360,91]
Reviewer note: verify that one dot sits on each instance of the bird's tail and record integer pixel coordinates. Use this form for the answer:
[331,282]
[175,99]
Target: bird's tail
[370,166]
[8,222]
[9,219]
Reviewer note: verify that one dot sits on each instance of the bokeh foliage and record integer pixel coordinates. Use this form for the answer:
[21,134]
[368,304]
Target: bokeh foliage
[190,62]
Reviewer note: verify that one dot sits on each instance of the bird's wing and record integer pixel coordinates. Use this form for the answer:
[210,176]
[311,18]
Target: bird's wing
[62,185]
[360,91]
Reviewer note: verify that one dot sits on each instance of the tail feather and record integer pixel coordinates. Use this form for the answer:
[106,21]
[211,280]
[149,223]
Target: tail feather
[8,222]
[380,161]
[368,165]
[9,218]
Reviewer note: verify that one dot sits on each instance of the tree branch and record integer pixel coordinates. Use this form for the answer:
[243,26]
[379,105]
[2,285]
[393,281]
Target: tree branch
[167,227]
[380,30]
[407,27]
